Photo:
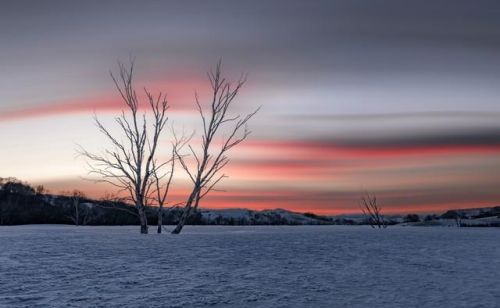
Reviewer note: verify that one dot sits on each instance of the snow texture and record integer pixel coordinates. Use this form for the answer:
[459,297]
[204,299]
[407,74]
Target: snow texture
[249,266]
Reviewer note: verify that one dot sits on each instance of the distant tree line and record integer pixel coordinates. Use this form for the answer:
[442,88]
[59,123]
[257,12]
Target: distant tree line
[22,203]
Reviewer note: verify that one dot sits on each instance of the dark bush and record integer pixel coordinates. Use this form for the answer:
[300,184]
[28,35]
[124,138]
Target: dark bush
[412,218]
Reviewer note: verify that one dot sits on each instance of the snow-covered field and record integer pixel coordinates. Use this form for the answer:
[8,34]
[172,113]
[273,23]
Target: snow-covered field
[267,266]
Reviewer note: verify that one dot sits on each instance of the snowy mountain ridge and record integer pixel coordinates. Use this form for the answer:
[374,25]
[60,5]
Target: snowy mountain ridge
[21,204]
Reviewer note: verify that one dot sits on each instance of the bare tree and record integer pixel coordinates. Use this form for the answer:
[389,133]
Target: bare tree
[116,203]
[372,211]
[209,163]
[458,216]
[40,190]
[75,197]
[128,165]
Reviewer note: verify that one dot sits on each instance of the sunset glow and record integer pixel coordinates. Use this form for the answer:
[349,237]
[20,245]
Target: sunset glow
[417,124]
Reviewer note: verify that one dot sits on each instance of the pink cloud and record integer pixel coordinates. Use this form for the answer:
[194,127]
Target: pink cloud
[180,94]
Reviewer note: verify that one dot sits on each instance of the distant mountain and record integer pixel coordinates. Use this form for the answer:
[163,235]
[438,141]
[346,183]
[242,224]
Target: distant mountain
[265,217]
[469,217]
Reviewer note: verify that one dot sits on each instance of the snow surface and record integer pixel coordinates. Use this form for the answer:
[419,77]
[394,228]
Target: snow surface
[249,266]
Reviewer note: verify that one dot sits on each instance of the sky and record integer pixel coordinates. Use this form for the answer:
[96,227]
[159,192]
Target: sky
[397,98]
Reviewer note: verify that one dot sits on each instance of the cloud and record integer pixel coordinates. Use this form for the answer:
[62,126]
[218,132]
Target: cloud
[180,95]
[62,108]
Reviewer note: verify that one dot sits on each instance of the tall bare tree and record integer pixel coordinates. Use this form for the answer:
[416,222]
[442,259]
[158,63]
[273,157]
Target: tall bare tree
[128,161]
[216,120]
[373,211]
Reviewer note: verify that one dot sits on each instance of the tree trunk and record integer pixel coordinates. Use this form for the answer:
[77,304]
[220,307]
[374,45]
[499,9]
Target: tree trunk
[182,221]
[185,214]
[187,210]
[77,212]
[160,219]
[198,197]
[143,220]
